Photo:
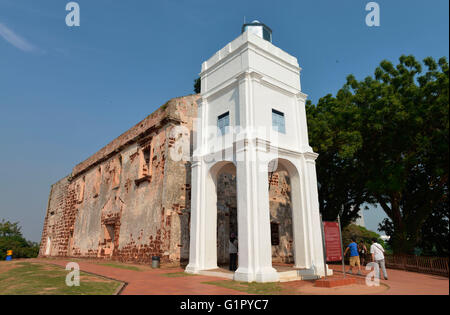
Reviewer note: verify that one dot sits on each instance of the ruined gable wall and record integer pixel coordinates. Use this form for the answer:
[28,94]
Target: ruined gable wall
[147,212]
[132,209]
[146,217]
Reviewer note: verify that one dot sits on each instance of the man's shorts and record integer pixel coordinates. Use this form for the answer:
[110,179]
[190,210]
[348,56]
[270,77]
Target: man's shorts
[354,261]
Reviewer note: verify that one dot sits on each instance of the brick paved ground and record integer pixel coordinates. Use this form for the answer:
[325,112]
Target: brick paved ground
[408,283]
[153,281]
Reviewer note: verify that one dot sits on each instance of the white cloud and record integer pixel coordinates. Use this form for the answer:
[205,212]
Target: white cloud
[15,39]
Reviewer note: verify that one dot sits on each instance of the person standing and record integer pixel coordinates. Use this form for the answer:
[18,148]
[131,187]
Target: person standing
[362,250]
[354,256]
[377,252]
[233,250]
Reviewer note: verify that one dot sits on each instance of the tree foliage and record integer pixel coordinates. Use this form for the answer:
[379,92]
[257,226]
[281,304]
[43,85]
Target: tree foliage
[11,238]
[334,134]
[197,85]
[360,234]
[384,140]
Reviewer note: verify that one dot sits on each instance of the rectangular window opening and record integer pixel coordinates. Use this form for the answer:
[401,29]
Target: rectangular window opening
[146,165]
[116,172]
[223,123]
[278,121]
[275,233]
[98,179]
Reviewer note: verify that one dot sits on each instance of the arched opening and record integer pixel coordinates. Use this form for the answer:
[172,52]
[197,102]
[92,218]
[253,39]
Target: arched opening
[221,216]
[226,212]
[286,214]
[280,201]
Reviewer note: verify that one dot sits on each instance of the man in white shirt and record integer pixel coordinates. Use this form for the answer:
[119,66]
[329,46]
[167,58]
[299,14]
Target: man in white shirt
[377,252]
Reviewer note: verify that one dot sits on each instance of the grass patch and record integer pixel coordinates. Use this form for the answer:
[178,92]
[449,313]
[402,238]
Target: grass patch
[26,278]
[177,274]
[271,288]
[120,266]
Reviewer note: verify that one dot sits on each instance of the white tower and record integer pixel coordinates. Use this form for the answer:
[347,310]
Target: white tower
[360,221]
[251,114]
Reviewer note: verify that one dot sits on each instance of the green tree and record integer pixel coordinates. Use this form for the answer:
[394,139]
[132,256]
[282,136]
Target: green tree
[384,140]
[11,238]
[9,229]
[361,234]
[334,133]
[197,85]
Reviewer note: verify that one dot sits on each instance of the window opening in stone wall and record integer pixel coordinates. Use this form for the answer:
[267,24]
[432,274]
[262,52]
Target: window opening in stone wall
[98,178]
[275,233]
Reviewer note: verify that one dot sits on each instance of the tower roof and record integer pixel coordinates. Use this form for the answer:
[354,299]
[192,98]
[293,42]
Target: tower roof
[258,28]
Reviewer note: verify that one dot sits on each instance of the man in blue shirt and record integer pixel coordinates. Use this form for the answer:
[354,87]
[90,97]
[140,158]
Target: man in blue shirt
[354,256]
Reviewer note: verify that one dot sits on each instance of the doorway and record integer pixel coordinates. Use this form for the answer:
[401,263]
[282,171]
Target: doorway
[226,207]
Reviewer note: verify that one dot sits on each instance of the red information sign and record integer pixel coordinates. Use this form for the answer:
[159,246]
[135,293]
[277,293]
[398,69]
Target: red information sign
[332,241]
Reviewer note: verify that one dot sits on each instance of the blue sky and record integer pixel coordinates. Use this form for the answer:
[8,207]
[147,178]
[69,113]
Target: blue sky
[66,92]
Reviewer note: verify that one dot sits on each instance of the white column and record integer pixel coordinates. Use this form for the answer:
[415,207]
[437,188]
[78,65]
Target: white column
[196,260]
[203,204]
[255,250]
[312,201]
[302,257]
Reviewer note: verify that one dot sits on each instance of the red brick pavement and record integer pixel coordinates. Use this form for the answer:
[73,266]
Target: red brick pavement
[407,283]
[152,281]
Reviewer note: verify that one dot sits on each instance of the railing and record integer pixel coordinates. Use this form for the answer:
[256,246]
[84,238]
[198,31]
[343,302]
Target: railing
[431,265]
[422,264]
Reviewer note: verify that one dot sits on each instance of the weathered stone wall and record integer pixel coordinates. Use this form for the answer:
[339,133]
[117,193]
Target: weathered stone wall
[177,181]
[226,215]
[59,221]
[130,200]
[281,215]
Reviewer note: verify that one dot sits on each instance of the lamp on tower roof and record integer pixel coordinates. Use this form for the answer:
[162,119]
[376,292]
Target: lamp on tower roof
[259,29]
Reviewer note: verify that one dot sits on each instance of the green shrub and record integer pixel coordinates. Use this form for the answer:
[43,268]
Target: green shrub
[361,234]
[11,239]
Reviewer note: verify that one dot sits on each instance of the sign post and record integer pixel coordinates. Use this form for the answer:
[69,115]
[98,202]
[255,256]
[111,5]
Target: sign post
[332,237]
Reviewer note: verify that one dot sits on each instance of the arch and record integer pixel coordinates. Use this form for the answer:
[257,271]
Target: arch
[299,249]
[210,223]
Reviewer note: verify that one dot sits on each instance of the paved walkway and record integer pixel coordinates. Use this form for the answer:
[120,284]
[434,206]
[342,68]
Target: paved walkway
[407,283]
[153,281]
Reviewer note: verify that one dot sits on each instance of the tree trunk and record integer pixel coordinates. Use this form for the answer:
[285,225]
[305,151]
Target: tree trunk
[401,244]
